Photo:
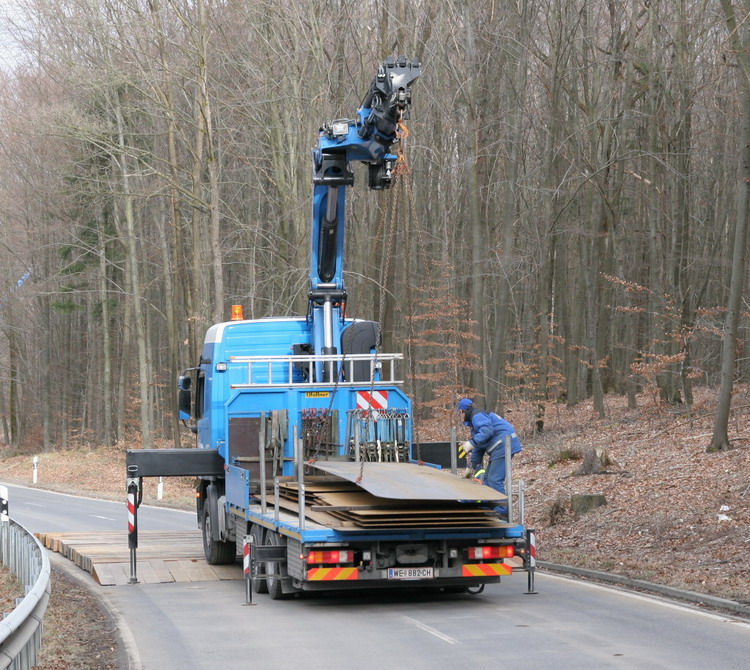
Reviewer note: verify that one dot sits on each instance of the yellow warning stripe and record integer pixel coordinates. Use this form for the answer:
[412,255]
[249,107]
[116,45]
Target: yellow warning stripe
[321,574]
[486,569]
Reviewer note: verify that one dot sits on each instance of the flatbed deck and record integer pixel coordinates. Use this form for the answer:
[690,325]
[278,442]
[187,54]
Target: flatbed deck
[163,556]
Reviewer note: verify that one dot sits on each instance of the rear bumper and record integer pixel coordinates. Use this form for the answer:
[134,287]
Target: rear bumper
[351,577]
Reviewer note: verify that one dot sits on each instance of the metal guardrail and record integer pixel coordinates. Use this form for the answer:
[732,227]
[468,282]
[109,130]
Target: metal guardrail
[21,629]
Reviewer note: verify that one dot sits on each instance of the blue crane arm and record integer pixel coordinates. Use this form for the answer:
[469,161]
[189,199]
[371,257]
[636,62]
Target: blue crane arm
[367,139]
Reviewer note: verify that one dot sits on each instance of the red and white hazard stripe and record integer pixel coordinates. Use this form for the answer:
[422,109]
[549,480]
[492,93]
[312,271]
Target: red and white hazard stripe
[532,549]
[246,556]
[131,512]
[375,400]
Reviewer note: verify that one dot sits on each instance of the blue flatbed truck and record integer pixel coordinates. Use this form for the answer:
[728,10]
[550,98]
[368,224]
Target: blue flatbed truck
[304,434]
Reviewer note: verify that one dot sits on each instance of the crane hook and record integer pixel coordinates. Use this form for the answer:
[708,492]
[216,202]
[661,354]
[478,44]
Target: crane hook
[401,167]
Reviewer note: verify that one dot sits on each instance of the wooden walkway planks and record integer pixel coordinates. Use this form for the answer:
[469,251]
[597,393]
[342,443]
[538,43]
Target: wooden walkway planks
[163,556]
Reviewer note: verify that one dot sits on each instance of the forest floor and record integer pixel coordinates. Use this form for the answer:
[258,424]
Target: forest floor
[674,514]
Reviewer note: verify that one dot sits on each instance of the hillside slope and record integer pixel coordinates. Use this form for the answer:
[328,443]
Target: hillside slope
[675,514]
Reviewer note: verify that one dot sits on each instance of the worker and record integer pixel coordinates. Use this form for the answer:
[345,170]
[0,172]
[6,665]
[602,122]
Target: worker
[488,433]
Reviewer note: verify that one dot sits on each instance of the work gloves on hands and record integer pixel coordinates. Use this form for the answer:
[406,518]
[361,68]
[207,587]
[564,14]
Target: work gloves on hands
[465,448]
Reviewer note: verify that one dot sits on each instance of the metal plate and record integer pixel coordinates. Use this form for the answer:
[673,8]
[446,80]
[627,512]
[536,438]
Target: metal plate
[408,481]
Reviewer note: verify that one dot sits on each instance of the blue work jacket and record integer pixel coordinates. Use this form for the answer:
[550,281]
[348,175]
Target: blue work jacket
[488,432]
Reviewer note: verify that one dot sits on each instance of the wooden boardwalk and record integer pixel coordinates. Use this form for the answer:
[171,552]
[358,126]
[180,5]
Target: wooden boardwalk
[163,556]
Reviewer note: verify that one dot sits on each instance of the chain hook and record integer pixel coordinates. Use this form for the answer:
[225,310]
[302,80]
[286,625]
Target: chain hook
[401,167]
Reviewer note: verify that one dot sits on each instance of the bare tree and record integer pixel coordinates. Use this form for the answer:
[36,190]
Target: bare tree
[739,39]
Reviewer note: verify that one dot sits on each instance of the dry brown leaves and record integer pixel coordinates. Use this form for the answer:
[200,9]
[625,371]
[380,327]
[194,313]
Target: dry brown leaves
[10,589]
[675,514]
[96,472]
[79,633]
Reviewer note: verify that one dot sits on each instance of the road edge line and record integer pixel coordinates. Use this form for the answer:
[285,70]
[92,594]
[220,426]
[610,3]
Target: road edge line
[661,589]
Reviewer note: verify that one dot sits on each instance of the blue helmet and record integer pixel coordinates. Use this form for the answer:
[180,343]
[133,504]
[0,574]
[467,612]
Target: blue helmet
[465,404]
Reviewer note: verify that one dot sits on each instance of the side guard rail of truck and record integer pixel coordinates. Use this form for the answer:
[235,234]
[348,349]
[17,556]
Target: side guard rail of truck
[174,463]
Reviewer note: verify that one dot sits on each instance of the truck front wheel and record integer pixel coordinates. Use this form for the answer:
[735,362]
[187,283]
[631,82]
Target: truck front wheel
[216,551]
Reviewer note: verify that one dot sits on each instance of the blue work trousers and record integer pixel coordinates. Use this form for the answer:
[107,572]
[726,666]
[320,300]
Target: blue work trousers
[494,477]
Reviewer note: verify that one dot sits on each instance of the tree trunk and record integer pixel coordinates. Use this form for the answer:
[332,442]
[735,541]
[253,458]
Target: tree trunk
[144,376]
[13,403]
[106,343]
[475,224]
[720,437]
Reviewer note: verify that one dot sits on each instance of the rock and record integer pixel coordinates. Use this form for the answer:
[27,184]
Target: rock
[581,503]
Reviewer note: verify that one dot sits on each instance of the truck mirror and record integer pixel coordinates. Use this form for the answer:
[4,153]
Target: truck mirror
[184,401]
[184,397]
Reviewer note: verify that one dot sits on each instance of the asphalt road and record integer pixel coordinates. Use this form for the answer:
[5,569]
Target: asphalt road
[44,511]
[569,624]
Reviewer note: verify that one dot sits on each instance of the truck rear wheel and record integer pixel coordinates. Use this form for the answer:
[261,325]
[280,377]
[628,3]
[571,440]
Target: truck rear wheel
[275,571]
[259,585]
[216,551]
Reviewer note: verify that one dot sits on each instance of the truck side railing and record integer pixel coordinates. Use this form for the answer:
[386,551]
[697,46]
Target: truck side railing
[298,370]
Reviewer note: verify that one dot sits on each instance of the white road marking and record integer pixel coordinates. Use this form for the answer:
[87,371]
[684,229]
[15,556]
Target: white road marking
[108,518]
[654,599]
[432,631]
[34,504]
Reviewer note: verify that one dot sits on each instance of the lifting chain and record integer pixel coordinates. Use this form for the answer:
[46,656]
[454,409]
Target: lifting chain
[402,169]
[388,220]
[324,418]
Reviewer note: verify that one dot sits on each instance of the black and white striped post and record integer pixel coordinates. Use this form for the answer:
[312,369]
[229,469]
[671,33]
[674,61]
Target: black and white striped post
[133,526]
[4,504]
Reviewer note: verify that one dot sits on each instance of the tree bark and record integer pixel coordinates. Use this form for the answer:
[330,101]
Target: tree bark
[720,437]
[144,372]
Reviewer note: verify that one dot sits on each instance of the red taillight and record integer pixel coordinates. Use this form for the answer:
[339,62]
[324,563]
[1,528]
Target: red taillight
[479,553]
[337,556]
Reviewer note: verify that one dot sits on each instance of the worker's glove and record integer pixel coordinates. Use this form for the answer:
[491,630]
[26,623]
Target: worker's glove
[465,449]
[469,473]
[479,476]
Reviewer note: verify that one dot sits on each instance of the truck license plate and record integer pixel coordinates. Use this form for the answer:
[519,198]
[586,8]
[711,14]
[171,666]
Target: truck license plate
[410,573]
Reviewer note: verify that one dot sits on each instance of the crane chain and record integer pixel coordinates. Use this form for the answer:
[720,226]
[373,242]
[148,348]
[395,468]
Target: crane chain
[401,169]
[327,415]
[413,219]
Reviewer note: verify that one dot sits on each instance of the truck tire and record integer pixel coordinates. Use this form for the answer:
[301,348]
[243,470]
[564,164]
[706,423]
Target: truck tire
[216,551]
[275,571]
[259,585]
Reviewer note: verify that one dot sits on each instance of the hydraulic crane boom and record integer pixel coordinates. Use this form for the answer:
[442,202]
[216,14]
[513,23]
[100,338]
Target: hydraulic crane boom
[367,139]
